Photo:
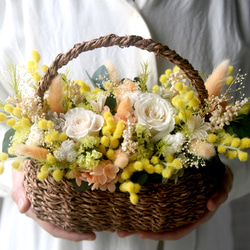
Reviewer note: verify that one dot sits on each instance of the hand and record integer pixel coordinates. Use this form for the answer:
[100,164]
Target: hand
[18,195]
[217,199]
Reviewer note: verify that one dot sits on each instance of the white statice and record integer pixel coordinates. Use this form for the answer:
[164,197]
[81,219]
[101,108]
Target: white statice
[175,142]
[156,113]
[66,151]
[198,127]
[36,136]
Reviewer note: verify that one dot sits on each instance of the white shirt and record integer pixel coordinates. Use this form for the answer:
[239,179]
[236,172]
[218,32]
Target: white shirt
[204,32]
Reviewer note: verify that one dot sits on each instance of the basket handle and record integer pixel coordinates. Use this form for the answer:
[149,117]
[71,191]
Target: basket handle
[160,50]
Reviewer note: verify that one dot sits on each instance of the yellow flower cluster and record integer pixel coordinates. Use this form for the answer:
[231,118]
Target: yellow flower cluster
[84,87]
[166,168]
[16,164]
[13,118]
[230,78]
[230,146]
[3,158]
[12,112]
[48,167]
[112,132]
[164,78]
[33,66]
[51,134]
[185,102]
[133,189]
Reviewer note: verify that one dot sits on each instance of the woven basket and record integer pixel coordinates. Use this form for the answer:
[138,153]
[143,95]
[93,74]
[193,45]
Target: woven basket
[162,207]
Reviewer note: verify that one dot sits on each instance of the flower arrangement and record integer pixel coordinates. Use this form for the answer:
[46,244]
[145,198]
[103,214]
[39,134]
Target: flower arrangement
[121,134]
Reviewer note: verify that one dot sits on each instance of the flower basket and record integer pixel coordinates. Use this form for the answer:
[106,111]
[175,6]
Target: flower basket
[158,178]
[162,207]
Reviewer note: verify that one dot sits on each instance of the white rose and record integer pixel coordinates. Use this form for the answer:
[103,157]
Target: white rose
[80,122]
[156,113]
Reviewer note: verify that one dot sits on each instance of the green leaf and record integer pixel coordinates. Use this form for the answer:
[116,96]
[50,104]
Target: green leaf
[155,178]
[111,102]
[7,141]
[240,127]
[99,76]
[84,186]
[139,177]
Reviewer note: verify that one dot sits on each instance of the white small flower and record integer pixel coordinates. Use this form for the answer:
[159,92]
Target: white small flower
[36,136]
[164,93]
[156,113]
[80,122]
[26,82]
[99,103]
[198,127]
[71,156]
[175,142]
[66,151]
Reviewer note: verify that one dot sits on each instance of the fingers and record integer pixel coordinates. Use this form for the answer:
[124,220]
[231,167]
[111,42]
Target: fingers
[216,200]
[221,195]
[60,233]
[18,192]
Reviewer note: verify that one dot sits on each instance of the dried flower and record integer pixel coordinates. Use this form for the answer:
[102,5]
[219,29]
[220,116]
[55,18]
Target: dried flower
[121,134]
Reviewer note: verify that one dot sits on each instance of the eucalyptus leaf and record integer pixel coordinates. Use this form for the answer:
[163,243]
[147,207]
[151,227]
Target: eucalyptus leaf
[7,141]
[94,84]
[99,75]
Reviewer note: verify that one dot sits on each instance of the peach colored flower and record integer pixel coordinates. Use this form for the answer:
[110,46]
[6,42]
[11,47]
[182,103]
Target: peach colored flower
[127,86]
[76,174]
[124,111]
[121,159]
[103,177]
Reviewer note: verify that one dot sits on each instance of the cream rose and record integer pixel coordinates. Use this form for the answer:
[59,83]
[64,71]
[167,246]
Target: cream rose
[80,122]
[156,113]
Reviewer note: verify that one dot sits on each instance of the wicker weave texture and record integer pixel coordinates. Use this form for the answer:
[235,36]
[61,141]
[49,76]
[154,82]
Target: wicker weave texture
[162,207]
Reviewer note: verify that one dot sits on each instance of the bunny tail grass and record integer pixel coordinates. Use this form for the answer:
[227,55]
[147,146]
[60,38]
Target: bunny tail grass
[32,151]
[216,80]
[55,95]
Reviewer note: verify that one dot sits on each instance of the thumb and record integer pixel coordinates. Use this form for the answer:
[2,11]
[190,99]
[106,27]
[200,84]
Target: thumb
[18,191]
